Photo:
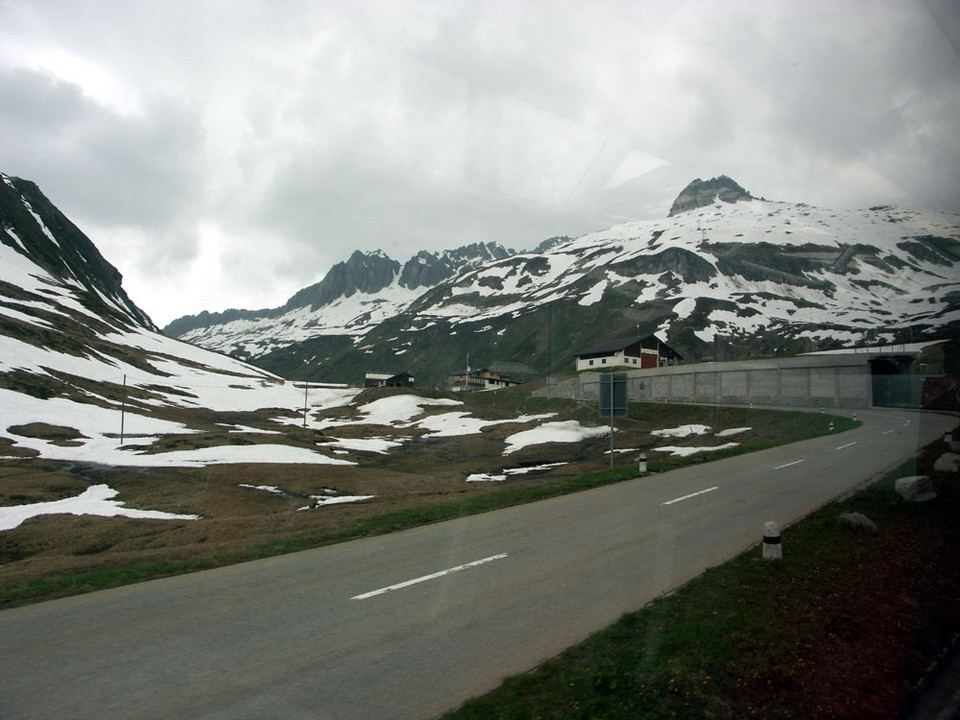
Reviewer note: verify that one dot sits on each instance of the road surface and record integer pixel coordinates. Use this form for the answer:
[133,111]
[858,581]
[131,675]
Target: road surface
[412,624]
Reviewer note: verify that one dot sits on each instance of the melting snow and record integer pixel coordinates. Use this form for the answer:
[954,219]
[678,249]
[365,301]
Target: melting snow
[685,451]
[321,500]
[95,500]
[503,474]
[567,431]
[732,431]
[594,295]
[460,423]
[683,431]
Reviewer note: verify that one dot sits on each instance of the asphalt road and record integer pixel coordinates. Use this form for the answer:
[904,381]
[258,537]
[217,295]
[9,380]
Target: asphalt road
[411,624]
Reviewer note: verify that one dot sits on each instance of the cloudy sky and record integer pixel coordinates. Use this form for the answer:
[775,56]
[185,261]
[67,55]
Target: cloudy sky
[227,153]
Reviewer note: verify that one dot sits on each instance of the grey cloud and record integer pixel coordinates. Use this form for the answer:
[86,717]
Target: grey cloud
[138,170]
[294,136]
[324,210]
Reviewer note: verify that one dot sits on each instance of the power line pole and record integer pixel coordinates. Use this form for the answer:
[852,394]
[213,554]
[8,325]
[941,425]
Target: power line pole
[306,387]
[123,407]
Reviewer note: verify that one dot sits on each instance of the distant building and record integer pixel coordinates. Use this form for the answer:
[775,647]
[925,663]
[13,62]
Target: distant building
[403,379]
[479,380]
[648,352]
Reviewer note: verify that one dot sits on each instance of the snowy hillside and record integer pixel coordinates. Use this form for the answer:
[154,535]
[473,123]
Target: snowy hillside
[354,297]
[760,277]
[85,378]
[70,382]
[750,267]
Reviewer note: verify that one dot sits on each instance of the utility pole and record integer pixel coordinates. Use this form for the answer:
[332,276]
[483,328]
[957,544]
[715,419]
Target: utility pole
[611,425]
[306,387]
[123,407]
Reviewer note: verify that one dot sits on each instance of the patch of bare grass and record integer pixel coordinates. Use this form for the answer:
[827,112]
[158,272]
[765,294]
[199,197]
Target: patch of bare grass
[53,434]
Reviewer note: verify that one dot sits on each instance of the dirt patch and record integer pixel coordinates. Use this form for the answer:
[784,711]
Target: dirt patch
[53,434]
[37,481]
[10,449]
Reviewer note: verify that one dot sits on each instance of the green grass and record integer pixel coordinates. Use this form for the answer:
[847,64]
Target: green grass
[779,427]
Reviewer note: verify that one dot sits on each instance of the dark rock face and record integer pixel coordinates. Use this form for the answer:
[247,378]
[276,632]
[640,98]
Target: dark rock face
[185,324]
[701,193]
[426,269]
[688,266]
[50,240]
[360,273]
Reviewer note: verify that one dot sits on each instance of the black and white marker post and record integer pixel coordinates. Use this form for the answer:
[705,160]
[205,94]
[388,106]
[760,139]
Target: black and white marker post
[772,549]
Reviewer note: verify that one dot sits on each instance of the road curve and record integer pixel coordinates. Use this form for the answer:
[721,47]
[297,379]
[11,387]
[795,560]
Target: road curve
[411,624]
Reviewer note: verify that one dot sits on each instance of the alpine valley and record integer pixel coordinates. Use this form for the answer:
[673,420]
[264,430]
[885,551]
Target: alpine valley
[725,275]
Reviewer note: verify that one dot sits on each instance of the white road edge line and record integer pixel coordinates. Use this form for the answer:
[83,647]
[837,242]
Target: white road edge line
[687,497]
[795,462]
[431,576]
[888,432]
[847,445]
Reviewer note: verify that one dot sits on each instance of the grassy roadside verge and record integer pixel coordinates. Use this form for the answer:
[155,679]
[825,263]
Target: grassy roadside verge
[781,427]
[838,629]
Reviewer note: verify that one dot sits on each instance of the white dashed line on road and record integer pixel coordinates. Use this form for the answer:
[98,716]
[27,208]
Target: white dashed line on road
[687,497]
[431,576]
[795,462]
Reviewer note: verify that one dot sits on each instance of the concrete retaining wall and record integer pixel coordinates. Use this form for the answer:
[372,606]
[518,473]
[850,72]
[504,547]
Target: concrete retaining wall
[831,381]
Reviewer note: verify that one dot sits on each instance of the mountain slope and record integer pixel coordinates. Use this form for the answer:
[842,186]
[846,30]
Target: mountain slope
[81,366]
[729,276]
[85,378]
[353,297]
[35,228]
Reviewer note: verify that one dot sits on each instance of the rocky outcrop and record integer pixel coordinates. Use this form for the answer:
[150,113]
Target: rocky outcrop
[182,325]
[688,266]
[362,272]
[34,227]
[426,269]
[701,193]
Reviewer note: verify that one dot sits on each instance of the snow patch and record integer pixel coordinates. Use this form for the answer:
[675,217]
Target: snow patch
[687,451]
[683,431]
[567,431]
[95,500]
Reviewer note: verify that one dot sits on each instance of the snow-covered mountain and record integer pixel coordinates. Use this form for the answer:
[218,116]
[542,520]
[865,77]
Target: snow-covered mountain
[756,276]
[353,297]
[86,378]
[81,365]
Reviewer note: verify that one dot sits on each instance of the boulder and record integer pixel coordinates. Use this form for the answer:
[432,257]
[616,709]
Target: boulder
[948,463]
[916,488]
[857,522]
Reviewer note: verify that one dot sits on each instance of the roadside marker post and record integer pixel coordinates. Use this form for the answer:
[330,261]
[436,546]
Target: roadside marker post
[772,549]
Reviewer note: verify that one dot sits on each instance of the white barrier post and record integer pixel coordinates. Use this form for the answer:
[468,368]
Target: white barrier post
[643,462]
[772,549]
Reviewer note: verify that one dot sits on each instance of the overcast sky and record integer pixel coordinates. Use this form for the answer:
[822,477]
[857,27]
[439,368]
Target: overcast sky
[226,154]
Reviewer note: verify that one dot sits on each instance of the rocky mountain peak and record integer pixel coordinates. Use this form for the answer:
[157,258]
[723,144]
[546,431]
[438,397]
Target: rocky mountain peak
[701,193]
[426,269]
[362,272]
